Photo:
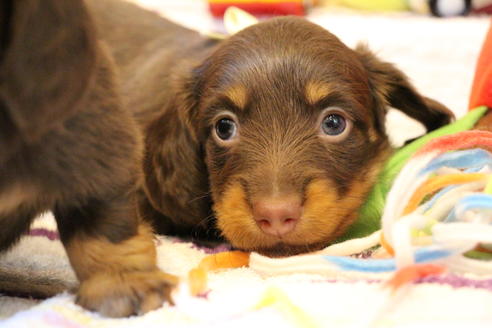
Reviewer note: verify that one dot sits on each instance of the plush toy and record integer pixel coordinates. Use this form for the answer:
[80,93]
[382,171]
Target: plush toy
[447,8]
[481,93]
[262,7]
[441,8]
[370,214]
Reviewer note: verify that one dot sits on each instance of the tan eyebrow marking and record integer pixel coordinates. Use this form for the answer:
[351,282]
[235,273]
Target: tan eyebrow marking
[238,95]
[315,91]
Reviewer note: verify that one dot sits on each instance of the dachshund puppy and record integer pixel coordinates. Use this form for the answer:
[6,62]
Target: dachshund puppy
[68,145]
[271,138]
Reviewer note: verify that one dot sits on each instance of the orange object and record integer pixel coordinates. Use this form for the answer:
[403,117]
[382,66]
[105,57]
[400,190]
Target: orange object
[198,277]
[481,93]
[386,245]
[197,280]
[435,183]
[412,273]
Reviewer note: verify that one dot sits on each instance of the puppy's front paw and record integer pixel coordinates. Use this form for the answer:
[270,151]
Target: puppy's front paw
[121,294]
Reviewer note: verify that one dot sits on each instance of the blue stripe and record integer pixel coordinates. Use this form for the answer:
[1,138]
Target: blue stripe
[460,160]
[383,265]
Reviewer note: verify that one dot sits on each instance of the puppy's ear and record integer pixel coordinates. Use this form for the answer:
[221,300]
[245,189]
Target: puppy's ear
[391,87]
[176,179]
[47,55]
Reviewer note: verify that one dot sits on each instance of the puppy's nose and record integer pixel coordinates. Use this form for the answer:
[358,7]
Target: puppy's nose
[277,216]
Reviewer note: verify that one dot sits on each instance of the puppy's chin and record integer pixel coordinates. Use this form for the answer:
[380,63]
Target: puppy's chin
[284,249]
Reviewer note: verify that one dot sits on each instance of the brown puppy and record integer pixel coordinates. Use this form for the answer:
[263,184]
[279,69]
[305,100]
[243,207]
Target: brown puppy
[68,145]
[273,136]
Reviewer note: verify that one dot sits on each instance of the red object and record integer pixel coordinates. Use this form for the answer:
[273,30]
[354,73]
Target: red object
[258,8]
[412,273]
[481,93]
[483,10]
[458,140]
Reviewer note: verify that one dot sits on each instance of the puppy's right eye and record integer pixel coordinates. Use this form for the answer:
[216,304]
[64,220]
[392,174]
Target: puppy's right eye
[225,129]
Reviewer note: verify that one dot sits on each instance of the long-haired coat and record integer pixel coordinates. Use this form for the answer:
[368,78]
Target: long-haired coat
[68,144]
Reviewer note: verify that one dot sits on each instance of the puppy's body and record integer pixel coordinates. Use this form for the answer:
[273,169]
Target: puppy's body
[68,145]
[276,132]
[154,57]
[149,52]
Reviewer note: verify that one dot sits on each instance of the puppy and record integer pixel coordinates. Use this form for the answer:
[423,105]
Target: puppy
[68,145]
[271,138]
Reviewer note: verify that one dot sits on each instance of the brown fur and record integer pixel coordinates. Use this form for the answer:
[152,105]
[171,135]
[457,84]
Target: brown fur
[68,144]
[276,78]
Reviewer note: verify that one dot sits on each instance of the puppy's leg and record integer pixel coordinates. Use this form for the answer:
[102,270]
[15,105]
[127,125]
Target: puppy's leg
[114,258]
[13,226]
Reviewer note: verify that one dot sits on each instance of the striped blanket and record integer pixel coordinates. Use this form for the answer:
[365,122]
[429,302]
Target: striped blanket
[244,296]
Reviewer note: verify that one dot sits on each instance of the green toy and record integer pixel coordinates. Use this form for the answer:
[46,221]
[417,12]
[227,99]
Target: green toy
[370,213]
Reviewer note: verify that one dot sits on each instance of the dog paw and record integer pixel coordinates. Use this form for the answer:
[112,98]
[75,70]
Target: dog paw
[121,294]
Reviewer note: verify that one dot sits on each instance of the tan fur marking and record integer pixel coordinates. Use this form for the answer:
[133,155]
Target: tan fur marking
[328,214]
[235,219]
[89,256]
[373,136]
[120,279]
[238,95]
[315,91]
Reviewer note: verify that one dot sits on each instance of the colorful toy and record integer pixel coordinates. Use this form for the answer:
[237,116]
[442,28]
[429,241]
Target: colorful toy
[375,5]
[481,94]
[197,277]
[370,214]
[262,7]
[448,8]
[441,8]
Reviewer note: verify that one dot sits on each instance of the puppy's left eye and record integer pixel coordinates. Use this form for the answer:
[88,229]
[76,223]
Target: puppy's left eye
[334,125]
[225,128]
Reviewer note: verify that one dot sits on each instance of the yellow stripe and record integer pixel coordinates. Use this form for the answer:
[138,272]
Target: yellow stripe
[435,183]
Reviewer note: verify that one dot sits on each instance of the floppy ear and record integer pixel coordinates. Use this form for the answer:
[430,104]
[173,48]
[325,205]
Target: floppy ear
[392,88]
[176,179]
[47,56]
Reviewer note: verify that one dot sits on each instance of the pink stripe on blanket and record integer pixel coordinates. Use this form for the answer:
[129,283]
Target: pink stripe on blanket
[42,232]
[452,280]
[458,282]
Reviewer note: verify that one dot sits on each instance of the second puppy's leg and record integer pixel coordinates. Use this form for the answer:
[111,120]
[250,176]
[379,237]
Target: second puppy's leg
[114,257]
[13,226]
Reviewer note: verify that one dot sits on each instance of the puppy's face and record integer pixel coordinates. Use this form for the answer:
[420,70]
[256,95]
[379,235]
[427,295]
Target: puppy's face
[293,141]
[291,122]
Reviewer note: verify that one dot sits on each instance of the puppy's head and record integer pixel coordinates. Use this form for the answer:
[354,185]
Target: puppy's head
[290,123]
